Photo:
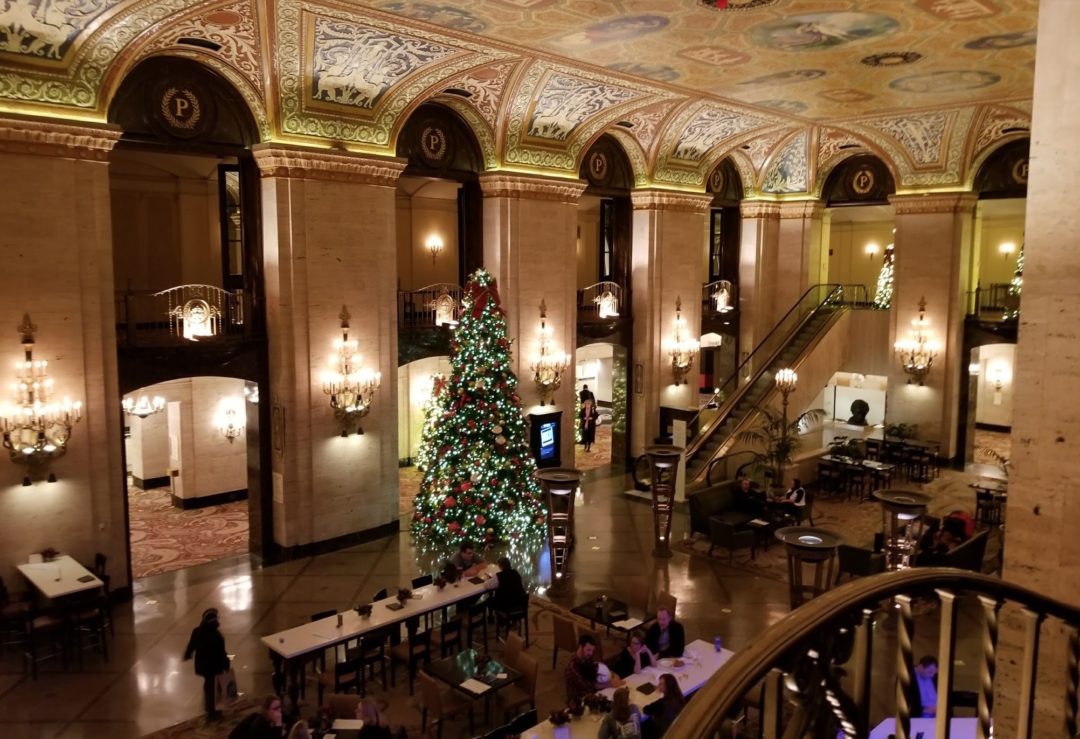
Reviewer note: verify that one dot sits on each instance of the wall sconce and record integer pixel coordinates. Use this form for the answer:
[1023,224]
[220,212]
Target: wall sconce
[231,418]
[917,352]
[144,406]
[549,365]
[351,388]
[251,394]
[1007,249]
[36,430]
[871,250]
[434,246]
[682,348]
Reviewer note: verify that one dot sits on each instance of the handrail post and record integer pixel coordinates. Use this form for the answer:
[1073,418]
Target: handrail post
[905,629]
[863,660]
[1072,683]
[1032,627]
[991,608]
[771,705]
[946,647]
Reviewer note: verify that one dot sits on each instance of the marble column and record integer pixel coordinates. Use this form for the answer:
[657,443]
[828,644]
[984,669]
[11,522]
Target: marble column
[670,233]
[329,240]
[530,243]
[760,237]
[799,263]
[933,237]
[58,268]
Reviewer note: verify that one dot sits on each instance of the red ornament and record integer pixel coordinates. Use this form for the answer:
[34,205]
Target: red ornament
[466,486]
[449,501]
[480,520]
[471,424]
[427,519]
[454,526]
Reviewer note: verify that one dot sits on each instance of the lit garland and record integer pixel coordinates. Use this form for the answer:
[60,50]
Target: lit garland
[883,294]
[478,472]
[430,408]
[1016,284]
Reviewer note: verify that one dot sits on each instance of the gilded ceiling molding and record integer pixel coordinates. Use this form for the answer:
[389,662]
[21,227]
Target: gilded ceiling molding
[633,152]
[946,202]
[530,187]
[995,126]
[769,209]
[486,87]
[745,168]
[296,162]
[801,209]
[485,136]
[679,202]
[45,137]
[788,170]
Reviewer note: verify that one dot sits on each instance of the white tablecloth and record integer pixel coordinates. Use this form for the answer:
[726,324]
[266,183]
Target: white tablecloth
[959,728]
[59,577]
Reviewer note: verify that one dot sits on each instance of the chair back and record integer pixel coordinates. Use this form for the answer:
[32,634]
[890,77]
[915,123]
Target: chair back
[529,669]
[342,705]
[524,721]
[419,582]
[323,614]
[99,565]
[565,633]
[514,647]
[381,595]
[429,694]
[666,600]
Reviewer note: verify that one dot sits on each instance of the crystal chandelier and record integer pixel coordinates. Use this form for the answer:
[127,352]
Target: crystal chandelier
[36,429]
[350,387]
[549,365]
[144,406]
[230,419]
[917,352]
[682,347]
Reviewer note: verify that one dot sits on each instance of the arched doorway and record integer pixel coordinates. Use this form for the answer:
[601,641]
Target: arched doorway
[604,319]
[720,290]
[187,265]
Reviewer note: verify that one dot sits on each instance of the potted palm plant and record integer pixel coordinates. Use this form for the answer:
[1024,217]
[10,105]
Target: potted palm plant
[775,440]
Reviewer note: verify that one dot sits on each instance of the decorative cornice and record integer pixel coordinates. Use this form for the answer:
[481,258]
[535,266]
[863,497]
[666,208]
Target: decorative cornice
[946,202]
[802,209]
[297,162]
[681,202]
[530,187]
[44,137]
[759,209]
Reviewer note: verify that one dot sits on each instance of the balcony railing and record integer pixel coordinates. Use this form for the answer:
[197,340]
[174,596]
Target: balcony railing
[812,674]
[718,297]
[181,314]
[994,303]
[429,307]
[602,301]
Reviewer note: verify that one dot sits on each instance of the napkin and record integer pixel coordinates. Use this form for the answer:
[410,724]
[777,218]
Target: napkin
[475,686]
[627,624]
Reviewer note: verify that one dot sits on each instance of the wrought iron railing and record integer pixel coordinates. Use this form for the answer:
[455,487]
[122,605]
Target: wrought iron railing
[602,301]
[718,297]
[812,674]
[430,307]
[185,313]
[998,302]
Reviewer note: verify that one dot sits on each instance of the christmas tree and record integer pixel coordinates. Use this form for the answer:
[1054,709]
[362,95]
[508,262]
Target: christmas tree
[1016,285]
[431,407]
[478,478]
[883,295]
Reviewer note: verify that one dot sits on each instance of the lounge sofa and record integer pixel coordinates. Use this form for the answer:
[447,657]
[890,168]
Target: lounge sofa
[720,500]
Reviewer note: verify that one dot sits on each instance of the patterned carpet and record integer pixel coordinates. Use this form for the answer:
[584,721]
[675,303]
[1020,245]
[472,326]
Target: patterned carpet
[165,538]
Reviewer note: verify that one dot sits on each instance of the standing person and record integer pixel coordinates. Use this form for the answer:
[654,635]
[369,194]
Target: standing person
[586,394]
[624,721]
[208,646]
[664,711]
[666,637]
[589,417]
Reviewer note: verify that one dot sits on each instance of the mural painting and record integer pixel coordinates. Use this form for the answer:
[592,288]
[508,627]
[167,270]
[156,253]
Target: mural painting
[789,173]
[717,56]
[564,102]
[707,129]
[784,106]
[891,59]
[658,72]
[1002,41]
[624,28]
[442,15]
[822,30]
[946,81]
[786,78]
[46,28]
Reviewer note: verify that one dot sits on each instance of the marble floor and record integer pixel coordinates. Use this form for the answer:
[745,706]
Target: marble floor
[145,686]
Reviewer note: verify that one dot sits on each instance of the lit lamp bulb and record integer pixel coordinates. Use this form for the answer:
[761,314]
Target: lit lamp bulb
[1007,249]
[434,246]
[871,249]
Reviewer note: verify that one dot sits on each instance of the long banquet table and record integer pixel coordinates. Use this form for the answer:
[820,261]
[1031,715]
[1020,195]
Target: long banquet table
[959,728]
[702,662]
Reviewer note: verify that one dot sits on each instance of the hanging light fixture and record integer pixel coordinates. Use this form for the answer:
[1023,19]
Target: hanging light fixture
[350,387]
[36,430]
[608,303]
[722,296]
[918,351]
[682,347]
[231,418]
[144,406]
[549,364]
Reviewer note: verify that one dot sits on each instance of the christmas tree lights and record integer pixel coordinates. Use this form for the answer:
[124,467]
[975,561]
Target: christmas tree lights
[883,294]
[1016,285]
[478,472]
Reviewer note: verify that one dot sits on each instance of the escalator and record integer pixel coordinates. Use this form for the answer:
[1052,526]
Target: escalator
[752,384]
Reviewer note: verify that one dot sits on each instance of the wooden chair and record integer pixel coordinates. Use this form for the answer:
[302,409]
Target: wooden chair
[987,508]
[565,637]
[448,637]
[522,693]
[514,647]
[473,619]
[44,630]
[513,618]
[873,449]
[100,566]
[413,652]
[344,676]
[381,595]
[439,706]
[14,613]
[855,481]
[419,582]
[343,706]
[724,535]
[828,478]
[372,654]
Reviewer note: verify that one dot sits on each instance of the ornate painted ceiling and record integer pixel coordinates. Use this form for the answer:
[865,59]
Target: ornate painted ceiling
[788,88]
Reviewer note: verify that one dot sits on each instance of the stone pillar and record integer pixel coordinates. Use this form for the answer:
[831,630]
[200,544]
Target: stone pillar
[670,233]
[328,241]
[530,243]
[760,234]
[58,267]
[933,236]
[798,263]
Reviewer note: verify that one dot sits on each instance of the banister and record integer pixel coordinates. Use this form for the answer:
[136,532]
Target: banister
[718,699]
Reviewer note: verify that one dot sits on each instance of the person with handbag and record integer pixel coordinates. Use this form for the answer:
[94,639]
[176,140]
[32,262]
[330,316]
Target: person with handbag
[208,646]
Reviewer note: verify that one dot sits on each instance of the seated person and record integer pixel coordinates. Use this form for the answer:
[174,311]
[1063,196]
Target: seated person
[664,711]
[634,658]
[467,561]
[367,710]
[263,724]
[582,673]
[922,695]
[749,497]
[666,637]
[509,593]
[624,721]
[789,502]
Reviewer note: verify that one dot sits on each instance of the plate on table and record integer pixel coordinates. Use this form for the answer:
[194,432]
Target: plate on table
[671,663]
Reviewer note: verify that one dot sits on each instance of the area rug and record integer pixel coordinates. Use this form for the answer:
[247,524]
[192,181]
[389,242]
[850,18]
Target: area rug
[856,523]
[165,538]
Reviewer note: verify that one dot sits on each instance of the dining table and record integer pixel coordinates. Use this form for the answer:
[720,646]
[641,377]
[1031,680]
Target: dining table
[59,577]
[924,728]
[613,613]
[700,661]
[470,674]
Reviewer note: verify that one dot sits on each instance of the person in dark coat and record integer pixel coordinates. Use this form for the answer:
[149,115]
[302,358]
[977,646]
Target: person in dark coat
[589,418]
[586,394]
[664,711]
[208,646]
[666,637]
[510,593]
[265,723]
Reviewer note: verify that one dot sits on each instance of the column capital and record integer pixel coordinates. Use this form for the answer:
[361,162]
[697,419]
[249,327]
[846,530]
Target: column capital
[530,187]
[298,162]
[759,209]
[49,137]
[802,209]
[939,202]
[682,202]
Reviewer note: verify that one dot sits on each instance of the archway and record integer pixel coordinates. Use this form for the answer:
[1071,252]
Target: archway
[187,265]
[720,290]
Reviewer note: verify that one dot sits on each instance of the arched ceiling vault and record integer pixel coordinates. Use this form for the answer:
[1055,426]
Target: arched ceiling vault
[931,91]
